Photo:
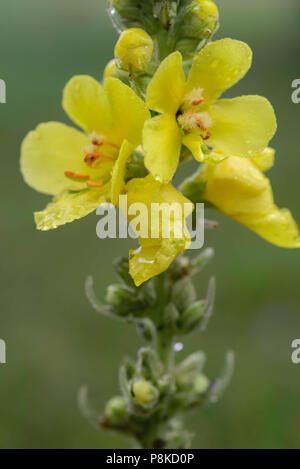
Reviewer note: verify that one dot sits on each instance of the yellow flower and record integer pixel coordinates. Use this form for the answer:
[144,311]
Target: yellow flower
[83,169]
[165,235]
[192,115]
[238,187]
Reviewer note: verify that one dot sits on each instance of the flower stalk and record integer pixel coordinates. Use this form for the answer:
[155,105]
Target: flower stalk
[156,390]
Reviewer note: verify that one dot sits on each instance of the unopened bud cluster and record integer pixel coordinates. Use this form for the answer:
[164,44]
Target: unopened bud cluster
[149,31]
[154,388]
[198,26]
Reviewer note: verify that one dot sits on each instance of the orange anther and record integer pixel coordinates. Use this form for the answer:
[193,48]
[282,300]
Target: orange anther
[197,102]
[207,136]
[97,142]
[75,176]
[90,158]
[94,184]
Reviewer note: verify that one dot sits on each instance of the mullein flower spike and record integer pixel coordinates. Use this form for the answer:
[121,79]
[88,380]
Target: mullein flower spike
[158,106]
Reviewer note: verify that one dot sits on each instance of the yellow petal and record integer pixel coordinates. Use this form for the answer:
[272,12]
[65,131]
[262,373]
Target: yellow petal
[128,110]
[85,102]
[242,126]
[149,261]
[166,89]
[264,160]
[218,66]
[155,254]
[194,144]
[240,190]
[118,174]
[277,226]
[162,144]
[47,152]
[68,207]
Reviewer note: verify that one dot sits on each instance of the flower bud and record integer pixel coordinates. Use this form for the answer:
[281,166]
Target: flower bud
[201,384]
[115,412]
[208,11]
[127,13]
[183,294]
[200,23]
[188,370]
[203,13]
[134,49]
[110,69]
[122,299]
[144,392]
[193,316]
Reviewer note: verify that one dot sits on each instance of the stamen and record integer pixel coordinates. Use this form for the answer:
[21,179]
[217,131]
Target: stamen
[99,140]
[76,177]
[197,102]
[93,184]
[193,120]
[107,156]
[91,158]
[97,143]
[193,98]
[111,144]
[96,139]
[207,136]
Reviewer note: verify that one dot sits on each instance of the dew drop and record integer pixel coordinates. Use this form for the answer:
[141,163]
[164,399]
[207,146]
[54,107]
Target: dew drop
[178,346]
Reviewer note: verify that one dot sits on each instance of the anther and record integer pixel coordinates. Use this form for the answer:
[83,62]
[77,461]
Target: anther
[207,136]
[197,102]
[90,158]
[75,176]
[92,184]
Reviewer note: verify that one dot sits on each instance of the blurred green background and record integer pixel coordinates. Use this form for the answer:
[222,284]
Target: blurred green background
[55,341]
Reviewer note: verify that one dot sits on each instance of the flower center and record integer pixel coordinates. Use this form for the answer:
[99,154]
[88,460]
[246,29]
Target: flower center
[192,116]
[99,151]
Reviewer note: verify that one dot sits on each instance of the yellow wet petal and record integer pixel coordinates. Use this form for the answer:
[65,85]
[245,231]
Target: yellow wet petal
[242,126]
[47,152]
[218,66]
[128,110]
[118,174]
[166,89]
[240,190]
[157,251]
[264,160]
[162,144]
[68,207]
[85,102]
[149,261]
[194,143]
